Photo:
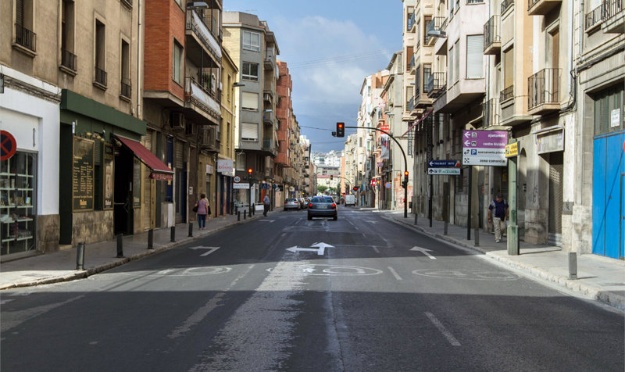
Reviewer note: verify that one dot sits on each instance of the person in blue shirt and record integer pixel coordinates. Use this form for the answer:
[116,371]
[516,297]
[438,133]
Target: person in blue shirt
[497,215]
[266,205]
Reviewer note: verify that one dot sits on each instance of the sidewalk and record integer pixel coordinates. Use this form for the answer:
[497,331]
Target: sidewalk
[62,265]
[598,277]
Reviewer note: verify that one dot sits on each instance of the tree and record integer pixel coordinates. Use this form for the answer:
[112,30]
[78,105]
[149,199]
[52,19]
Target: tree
[322,188]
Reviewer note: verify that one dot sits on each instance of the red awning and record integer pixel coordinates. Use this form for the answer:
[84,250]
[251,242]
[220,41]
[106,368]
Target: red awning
[160,171]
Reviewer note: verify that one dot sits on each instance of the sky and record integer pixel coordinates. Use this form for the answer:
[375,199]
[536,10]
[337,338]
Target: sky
[330,47]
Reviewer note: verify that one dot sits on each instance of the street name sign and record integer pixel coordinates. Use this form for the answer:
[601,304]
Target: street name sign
[444,171]
[484,147]
[444,163]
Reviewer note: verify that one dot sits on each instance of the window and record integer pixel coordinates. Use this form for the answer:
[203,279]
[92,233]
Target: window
[251,41]
[250,71]
[456,63]
[100,54]
[475,57]
[68,58]
[450,66]
[249,101]
[609,110]
[249,132]
[508,68]
[126,88]
[177,73]
[24,35]
[240,161]
[427,73]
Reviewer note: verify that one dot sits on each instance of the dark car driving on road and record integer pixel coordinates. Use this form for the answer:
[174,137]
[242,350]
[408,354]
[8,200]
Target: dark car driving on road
[322,206]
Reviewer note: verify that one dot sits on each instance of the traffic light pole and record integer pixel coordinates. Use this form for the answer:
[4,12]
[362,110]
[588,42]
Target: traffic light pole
[405,162]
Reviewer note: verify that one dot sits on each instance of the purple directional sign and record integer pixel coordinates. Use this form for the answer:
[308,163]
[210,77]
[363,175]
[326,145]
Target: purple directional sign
[484,147]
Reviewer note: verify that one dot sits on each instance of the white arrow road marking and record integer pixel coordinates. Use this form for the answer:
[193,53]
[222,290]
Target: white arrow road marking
[424,251]
[210,250]
[320,248]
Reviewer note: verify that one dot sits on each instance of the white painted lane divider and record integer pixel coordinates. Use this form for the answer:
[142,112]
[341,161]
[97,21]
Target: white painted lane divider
[209,250]
[452,340]
[425,251]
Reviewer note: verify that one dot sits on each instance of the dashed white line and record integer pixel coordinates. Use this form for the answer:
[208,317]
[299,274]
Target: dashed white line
[394,273]
[452,340]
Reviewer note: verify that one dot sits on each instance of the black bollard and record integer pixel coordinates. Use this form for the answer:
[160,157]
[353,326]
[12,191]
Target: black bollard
[151,239]
[173,234]
[80,256]
[477,236]
[239,216]
[120,246]
[244,214]
[572,265]
[446,227]
[190,230]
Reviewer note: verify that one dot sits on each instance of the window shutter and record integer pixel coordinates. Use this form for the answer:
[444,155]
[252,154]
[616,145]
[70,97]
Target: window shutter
[475,57]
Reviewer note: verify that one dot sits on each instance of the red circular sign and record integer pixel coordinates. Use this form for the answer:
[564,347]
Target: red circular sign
[8,146]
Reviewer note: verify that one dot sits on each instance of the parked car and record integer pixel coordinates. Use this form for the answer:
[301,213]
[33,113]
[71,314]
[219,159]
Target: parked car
[350,200]
[291,203]
[322,206]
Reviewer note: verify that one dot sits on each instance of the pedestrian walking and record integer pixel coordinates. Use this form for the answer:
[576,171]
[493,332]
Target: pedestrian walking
[202,208]
[266,205]
[497,215]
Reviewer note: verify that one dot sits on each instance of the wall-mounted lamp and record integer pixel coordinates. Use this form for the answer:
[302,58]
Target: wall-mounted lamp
[197,4]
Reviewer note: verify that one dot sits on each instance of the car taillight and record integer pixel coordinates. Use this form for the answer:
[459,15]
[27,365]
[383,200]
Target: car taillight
[310,205]
[333,205]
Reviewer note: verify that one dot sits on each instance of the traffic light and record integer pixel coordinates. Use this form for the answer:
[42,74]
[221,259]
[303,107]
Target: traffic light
[404,184]
[249,173]
[331,177]
[340,129]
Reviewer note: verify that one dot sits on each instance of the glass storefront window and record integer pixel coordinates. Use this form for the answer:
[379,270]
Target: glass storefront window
[18,182]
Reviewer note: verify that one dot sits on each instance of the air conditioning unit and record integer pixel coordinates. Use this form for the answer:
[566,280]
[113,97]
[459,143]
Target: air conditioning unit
[177,121]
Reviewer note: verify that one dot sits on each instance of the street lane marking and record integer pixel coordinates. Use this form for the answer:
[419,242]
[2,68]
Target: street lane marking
[376,249]
[452,340]
[395,273]
[425,251]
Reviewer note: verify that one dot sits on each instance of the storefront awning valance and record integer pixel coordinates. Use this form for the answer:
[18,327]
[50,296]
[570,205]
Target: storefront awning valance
[160,171]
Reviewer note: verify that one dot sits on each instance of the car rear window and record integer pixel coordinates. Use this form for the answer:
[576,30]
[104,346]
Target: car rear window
[328,200]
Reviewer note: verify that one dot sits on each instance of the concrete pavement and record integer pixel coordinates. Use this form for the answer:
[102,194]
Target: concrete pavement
[599,278]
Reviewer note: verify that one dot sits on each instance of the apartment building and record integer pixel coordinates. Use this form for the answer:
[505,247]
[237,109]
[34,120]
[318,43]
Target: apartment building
[253,47]
[594,185]
[71,75]
[226,157]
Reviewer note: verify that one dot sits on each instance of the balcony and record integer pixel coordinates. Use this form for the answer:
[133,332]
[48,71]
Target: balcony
[492,36]
[542,7]
[435,86]
[433,30]
[68,62]
[126,90]
[196,29]
[505,5]
[269,117]
[410,25]
[513,108]
[201,102]
[613,17]
[506,94]
[269,146]
[100,78]
[413,65]
[593,19]
[421,99]
[544,91]
[25,40]
[270,59]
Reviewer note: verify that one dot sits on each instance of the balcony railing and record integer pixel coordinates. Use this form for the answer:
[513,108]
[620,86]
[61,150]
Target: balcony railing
[544,89]
[126,88]
[593,18]
[506,94]
[100,77]
[433,26]
[505,4]
[436,84]
[612,8]
[68,59]
[198,96]
[492,35]
[542,7]
[411,21]
[25,37]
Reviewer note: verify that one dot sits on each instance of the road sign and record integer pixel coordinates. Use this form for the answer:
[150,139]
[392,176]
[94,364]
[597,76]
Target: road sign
[484,147]
[8,145]
[444,171]
[512,150]
[444,163]
[243,185]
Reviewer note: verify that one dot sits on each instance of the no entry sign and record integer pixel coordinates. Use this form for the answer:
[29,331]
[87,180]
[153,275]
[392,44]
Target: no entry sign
[8,146]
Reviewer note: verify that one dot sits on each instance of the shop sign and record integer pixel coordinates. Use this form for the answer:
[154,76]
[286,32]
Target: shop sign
[83,176]
[225,167]
[512,150]
[484,147]
[551,140]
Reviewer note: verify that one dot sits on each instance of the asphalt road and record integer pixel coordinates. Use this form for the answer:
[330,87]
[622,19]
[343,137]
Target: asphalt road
[260,297]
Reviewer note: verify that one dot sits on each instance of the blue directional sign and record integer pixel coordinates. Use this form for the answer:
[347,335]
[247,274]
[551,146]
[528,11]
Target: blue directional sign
[444,163]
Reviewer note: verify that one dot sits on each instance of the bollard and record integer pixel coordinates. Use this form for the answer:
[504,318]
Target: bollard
[151,239]
[445,228]
[252,211]
[239,216]
[416,217]
[120,246]
[477,236]
[572,265]
[173,234]
[244,214]
[190,230]
[80,256]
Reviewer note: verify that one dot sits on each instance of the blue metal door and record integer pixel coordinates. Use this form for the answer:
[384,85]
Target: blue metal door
[608,195]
